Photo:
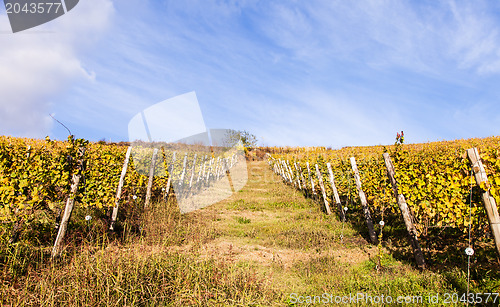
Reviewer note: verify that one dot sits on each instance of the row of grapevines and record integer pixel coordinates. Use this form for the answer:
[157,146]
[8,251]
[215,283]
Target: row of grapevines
[36,175]
[434,177]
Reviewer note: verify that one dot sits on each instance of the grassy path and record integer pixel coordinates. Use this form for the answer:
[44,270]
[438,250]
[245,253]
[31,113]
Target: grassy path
[270,223]
[274,230]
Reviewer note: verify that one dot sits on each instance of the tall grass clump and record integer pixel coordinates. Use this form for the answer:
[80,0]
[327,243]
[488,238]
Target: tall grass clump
[140,276]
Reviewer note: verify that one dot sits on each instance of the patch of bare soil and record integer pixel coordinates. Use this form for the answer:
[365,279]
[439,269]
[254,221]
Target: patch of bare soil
[233,250]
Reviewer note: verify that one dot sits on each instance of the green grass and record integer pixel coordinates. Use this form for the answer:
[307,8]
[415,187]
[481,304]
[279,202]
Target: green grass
[264,246]
[243,220]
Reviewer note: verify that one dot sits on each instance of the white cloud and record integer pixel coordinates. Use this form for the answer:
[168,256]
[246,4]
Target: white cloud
[40,64]
[421,37]
[475,39]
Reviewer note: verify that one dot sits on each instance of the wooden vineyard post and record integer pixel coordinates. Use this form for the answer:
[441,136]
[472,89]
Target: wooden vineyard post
[364,203]
[292,175]
[298,177]
[335,192]
[192,170]
[310,178]
[170,173]
[209,171]
[279,171]
[200,177]
[283,173]
[275,165]
[488,200]
[405,212]
[278,168]
[204,168]
[218,169]
[150,181]
[119,190]
[322,186]
[290,172]
[56,250]
[181,182]
[287,174]
[302,177]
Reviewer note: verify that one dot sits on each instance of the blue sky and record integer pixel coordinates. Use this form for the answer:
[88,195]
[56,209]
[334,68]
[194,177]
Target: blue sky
[299,73]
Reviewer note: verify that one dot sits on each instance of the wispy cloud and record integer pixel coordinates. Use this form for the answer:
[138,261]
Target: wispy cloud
[321,72]
[38,65]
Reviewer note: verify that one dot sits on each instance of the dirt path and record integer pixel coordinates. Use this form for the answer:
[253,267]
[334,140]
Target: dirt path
[270,223]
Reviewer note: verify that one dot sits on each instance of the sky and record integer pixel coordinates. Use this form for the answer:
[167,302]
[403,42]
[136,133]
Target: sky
[293,73]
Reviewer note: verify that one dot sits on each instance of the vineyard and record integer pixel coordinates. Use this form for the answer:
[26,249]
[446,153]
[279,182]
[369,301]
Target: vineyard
[437,180]
[37,177]
[122,191]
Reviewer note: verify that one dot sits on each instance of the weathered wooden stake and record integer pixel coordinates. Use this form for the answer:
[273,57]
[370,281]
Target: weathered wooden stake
[276,165]
[285,177]
[204,170]
[119,190]
[218,169]
[282,171]
[285,171]
[56,250]
[405,212]
[291,174]
[302,177]
[209,172]
[181,182]
[150,181]
[311,179]
[488,200]
[298,177]
[322,186]
[335,192]
[192,170]
[170,170]
[201,169]
[364,203]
